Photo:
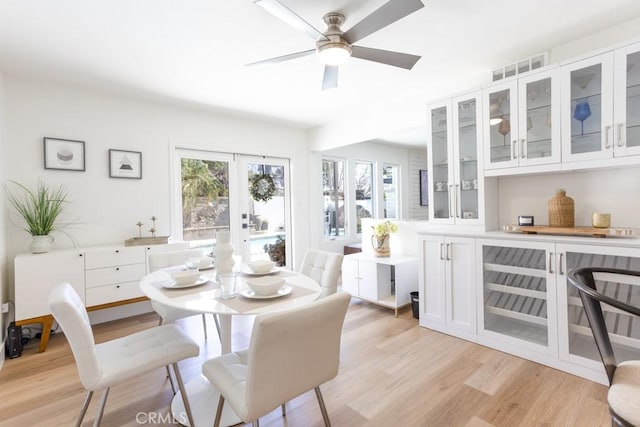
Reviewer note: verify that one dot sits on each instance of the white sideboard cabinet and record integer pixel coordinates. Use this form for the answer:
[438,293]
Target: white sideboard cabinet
[104,277]
[383,281]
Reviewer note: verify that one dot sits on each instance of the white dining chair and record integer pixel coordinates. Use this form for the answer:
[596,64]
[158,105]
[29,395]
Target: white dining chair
[158,261]
[103,365]
[290,352]
[323,267]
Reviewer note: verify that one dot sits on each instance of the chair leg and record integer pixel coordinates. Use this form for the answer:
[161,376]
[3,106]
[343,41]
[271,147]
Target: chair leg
[185,399]
[173,386]
[103,402]
[256,423]
[284,409]
[85,405]
[217,322]
[216,422]
[204,325]
[323,408]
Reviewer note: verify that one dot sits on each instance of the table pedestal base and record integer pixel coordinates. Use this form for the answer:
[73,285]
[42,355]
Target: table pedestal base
[203,398]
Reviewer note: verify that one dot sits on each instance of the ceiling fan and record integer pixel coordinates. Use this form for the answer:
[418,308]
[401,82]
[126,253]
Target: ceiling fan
[334,46]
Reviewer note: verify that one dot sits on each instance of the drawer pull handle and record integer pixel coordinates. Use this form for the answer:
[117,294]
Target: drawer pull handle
[117,251]
[117,268]
[118,286]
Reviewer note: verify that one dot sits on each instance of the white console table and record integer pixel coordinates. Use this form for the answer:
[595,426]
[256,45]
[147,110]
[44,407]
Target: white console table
[382,281]
[103,276]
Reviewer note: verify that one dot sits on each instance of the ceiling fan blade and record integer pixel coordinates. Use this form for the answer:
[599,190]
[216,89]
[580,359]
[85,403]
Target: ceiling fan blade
[387,14]
[285,14]
[282,58]
[330,77]
[397,59]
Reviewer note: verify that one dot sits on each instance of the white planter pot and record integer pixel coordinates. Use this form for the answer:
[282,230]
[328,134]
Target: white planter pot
[41,244]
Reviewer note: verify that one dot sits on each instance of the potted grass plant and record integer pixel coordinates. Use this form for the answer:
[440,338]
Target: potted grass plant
[40,211]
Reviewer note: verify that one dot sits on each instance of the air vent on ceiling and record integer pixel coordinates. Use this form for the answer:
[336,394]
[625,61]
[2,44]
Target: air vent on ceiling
[522,66]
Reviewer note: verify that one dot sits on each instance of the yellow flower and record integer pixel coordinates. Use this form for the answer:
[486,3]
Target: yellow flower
[385,227]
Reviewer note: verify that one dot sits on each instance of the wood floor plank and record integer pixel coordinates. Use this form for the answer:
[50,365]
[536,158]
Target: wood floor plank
[392,373]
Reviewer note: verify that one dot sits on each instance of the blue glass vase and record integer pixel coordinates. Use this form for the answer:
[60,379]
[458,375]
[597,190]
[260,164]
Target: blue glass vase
[582,112]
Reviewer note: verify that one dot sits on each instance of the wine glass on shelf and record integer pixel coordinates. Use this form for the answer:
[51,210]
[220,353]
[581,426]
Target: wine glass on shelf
[581,113]
[504,129]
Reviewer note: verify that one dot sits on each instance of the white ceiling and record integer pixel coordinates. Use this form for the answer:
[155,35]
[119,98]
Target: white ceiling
[195,50]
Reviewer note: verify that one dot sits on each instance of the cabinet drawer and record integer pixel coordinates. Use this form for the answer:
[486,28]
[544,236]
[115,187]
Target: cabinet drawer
[114,256]
[113,293]
[114,275]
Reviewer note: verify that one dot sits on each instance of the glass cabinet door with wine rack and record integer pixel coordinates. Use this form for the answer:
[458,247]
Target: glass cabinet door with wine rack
[522,121]
[576,339]
[453,151]
[518,296]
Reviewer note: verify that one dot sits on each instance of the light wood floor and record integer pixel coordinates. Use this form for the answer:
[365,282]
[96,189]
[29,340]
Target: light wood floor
[393,373]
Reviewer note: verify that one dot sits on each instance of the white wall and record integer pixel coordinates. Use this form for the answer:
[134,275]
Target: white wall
[614,190]
[107,209]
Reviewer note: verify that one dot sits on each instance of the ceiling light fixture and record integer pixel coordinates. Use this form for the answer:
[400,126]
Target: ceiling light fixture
[334,53]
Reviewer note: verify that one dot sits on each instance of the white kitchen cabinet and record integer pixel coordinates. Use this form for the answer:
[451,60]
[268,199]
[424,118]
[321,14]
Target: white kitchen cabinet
[601,106]
[577,345]
[383,281]
[447,294]
[518,299]
[522,122]
[453,150]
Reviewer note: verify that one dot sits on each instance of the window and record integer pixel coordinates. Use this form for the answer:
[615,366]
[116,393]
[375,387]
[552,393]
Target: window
[390,190]
[364,192]
[333,197]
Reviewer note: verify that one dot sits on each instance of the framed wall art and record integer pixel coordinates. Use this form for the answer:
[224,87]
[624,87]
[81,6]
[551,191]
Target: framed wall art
[424,188]
[63,154]
[125,164]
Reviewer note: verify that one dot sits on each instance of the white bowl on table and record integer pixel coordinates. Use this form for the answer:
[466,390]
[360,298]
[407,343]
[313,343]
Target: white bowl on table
[262,266]
[265,286]
[185,277]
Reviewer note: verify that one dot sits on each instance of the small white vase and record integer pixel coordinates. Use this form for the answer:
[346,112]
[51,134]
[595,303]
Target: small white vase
[41,244]
[224,253]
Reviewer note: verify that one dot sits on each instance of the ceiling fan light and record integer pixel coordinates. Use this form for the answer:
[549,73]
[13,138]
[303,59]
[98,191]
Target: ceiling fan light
[334,53]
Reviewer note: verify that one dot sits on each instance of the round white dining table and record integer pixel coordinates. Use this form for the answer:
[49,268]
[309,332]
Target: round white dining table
[205,298]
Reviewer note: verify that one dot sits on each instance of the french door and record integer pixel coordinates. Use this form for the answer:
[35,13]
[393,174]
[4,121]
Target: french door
[248,195]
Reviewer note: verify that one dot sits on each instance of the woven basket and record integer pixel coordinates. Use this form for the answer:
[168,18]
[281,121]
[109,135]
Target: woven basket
[561,210]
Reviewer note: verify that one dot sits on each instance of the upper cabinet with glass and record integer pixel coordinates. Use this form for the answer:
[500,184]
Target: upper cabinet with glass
[521,122]
[456,191]
[601,106]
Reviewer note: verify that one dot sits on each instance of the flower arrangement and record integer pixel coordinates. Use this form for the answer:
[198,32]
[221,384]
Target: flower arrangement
[384,228]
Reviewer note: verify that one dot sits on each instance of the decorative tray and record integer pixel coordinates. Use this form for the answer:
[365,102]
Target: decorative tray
[574,231]
[158,240]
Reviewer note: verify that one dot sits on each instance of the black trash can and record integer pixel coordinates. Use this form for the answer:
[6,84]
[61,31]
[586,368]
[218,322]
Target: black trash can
[415,304]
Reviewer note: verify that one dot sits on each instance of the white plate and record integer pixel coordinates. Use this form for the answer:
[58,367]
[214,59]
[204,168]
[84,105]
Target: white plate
[211,267]
[250,272]
[171,284]
[285,290]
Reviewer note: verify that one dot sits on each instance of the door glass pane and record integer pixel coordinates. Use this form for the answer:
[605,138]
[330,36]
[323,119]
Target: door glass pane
[439,143]
[624,330]
[586,109]
[390,191]
[364,192]
[500,126]
[467,147]
[539,119]
[515,292]
[205,200]
[267,225]
[633,100]
[333,197]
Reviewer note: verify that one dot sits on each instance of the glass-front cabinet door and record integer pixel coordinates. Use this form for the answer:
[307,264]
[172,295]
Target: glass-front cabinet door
[439,154]
[468,184]
[539,119]
[587,109]
[627,101]
[518,298]
[576,340]
[500,126]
